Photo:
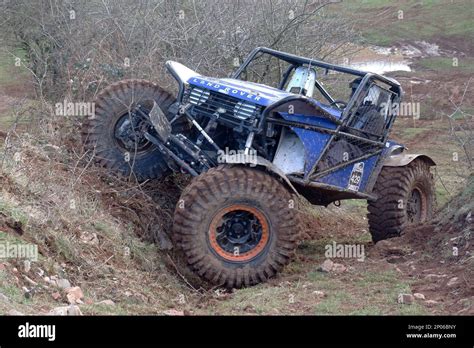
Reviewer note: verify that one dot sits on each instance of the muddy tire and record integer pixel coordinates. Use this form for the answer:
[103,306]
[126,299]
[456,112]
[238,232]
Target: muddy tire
[116,134]
[236,226]
[405,196]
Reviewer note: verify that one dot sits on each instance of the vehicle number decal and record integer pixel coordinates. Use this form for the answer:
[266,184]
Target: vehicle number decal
[356,176]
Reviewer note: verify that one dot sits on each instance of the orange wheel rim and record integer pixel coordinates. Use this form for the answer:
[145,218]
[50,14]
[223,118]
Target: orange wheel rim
[255,226]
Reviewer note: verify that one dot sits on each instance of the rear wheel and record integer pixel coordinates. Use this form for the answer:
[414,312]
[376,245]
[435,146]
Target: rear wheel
[237,226]
[405,196]
[117,132]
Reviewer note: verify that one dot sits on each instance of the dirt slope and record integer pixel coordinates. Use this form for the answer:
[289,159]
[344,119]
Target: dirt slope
[104,235]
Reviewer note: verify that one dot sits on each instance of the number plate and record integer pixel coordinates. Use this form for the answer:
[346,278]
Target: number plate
[356,176]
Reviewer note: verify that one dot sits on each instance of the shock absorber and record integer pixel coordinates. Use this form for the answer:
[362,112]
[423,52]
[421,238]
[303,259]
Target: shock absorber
[210,128]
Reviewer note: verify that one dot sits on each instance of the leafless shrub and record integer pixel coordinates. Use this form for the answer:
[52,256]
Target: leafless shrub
[461,127]
[75,48]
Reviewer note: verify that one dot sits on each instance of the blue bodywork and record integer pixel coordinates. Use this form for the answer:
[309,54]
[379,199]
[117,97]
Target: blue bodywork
[314,142]
[248,91]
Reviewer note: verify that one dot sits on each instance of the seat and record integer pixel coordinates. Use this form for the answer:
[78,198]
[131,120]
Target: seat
[302,81]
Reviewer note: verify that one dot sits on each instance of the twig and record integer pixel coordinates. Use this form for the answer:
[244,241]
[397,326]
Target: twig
[182,276]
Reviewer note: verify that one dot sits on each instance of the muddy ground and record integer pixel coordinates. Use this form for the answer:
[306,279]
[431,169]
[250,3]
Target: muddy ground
[108,248]
[419,262]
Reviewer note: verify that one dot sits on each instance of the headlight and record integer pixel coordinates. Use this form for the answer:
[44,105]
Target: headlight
[244,110]
[198,96]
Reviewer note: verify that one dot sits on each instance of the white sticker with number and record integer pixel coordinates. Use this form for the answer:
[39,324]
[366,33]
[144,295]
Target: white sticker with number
[356,176]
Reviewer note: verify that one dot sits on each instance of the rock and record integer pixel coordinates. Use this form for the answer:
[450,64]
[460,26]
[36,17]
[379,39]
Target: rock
[396,259]
[53,280]
[406,298]
[452,282]
[4,298]
[107,303]
[29,280]
[389,247]
[74,295]
[326,266]
[27,266]
[89,238]
[338,268]
[65,310]
[419,296]
[219,292]
[435,276]
[319,294]
[27,292]
[250,309]
[63,283]
[14,312]
[173,312]
[56,295]
[161,238]
[430,303]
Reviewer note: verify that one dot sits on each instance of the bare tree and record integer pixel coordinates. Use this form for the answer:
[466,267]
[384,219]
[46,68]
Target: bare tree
[75,48]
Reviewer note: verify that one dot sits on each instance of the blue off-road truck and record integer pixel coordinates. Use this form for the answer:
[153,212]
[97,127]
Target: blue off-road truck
[253,142]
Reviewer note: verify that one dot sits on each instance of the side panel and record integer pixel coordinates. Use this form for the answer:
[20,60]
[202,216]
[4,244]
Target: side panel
[290,153]
[342,177]
[314,143]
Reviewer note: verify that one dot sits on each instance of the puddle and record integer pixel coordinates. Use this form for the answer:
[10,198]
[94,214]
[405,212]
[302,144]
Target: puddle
[421,49]
[379,60]
[381,67]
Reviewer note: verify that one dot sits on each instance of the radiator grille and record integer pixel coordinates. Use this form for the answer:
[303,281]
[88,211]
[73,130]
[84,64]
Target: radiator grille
[228,109]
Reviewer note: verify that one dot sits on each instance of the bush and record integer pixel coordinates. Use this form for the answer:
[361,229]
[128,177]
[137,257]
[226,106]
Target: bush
[76,48]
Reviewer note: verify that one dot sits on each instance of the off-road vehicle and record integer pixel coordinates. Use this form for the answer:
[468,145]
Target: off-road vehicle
[254,142]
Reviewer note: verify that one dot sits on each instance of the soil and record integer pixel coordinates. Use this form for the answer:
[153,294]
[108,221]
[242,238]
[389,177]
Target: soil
[423,255]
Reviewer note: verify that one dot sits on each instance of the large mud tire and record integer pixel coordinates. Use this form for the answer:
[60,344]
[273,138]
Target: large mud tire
[114,105]
[202,217]
[406,196]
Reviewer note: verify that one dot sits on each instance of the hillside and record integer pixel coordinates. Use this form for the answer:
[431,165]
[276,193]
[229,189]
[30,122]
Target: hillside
[110,238]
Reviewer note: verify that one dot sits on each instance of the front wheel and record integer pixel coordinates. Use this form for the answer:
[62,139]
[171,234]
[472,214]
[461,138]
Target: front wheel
[117,132]
[406,196]
[237,226]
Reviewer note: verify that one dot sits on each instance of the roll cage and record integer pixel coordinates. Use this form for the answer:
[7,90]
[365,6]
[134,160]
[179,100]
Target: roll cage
[296,61]
[354,105]
[346,126]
